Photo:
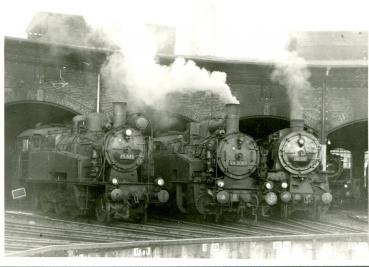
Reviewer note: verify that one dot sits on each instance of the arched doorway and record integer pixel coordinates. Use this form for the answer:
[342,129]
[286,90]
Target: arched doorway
[353,137]
[23,115]
[262,126]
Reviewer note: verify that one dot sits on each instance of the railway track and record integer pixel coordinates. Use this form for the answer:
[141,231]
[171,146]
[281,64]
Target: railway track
[313,227]
[27,230]
[361,219]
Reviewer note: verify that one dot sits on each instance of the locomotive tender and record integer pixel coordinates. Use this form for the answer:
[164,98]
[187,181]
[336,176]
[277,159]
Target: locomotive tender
[211,167]
[292,182]
[97,166]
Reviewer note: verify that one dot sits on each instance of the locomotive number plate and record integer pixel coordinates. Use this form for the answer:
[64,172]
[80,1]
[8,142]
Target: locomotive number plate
[237,163]
[19,193]
[127,156]
[300,158]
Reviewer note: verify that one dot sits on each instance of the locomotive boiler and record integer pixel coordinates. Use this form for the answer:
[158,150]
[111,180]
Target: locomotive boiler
[98,165]
[210,167]
[292,181]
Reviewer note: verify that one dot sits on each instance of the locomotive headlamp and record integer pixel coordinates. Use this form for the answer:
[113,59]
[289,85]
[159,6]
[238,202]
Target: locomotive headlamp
[284,185]
[220,183]
[345,185]
[128,132]
[94,154]
[114,181]
[269,185]
[160,181]
[301,141]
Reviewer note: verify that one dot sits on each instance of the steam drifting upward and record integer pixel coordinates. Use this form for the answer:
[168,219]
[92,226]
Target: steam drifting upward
[134,74]
[146,80]
[294,75]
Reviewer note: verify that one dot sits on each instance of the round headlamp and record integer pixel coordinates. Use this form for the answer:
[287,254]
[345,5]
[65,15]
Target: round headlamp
[345,185]
[128,132]
[114,181]
[160,181]
[269,185]
[284,185]
[220,183]
[301,141]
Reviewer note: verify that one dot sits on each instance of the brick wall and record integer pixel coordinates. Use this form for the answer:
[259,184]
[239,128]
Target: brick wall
[31,75]
[76,89]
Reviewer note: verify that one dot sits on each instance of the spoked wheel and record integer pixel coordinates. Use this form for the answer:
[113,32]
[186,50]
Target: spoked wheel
[45,203]
[102,210]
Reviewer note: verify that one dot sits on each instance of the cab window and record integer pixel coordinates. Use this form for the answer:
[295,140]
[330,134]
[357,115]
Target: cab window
[25,145]
[36,141]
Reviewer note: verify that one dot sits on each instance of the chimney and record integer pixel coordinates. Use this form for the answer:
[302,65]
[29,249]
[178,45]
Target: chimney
[119,114]
[296,125]
[232,118]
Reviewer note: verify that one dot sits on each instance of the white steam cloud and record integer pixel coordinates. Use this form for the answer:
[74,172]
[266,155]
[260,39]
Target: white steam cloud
[151,83]
[294,75]
[134,74]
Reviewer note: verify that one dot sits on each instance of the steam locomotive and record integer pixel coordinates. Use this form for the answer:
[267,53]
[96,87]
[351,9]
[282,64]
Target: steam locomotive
[340,180]
[211,167]
[290,171]
[98,165]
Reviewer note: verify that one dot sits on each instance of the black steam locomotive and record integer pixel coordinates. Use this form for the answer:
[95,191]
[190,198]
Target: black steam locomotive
[96,166]
[289,168]
[340,181]
[211,167]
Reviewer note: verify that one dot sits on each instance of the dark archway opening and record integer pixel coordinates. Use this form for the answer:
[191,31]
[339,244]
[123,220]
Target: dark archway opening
[259,127]
[353,137]
[20,116]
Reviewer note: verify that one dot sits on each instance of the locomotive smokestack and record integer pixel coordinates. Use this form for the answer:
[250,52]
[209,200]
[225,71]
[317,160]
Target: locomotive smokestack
[297,125]
[232,118]
[119,113]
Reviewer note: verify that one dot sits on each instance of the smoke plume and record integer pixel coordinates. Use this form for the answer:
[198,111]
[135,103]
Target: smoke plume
[134,74]
[150,82]
[293,74]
